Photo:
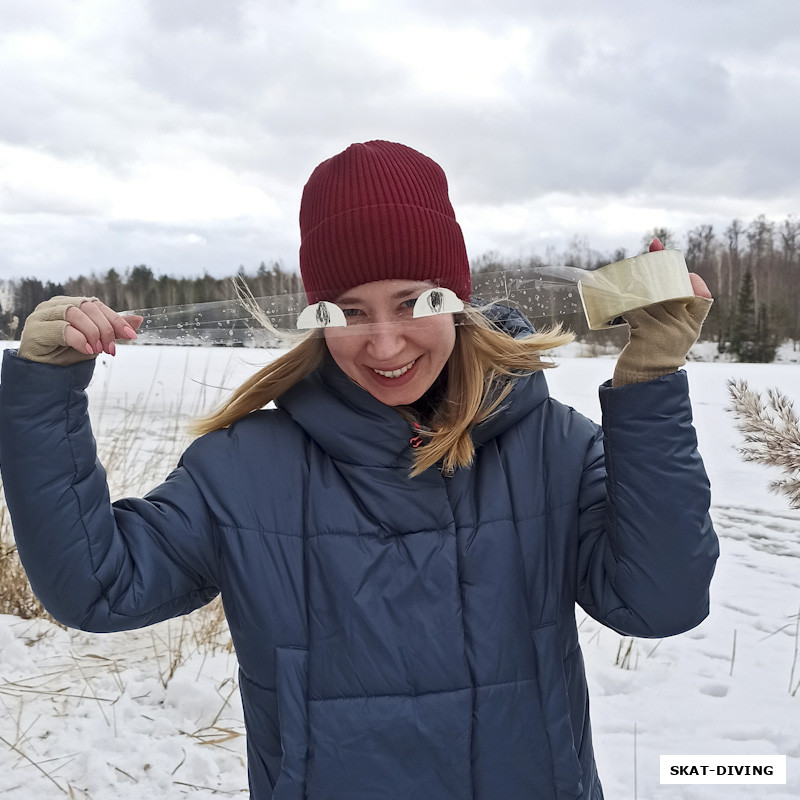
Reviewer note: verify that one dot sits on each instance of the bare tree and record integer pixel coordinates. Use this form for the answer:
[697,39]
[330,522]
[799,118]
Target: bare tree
[664,235]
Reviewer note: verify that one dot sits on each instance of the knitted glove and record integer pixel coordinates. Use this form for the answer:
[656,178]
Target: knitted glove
[43,335]
[660,337]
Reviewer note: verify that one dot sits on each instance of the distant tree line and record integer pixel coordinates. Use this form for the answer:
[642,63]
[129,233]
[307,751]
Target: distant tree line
[752,270]
[138,288]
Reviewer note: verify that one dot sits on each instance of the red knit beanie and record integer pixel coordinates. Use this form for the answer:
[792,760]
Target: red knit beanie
[376,211]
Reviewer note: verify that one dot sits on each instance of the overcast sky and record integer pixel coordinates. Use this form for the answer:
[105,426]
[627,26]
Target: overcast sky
[179,133]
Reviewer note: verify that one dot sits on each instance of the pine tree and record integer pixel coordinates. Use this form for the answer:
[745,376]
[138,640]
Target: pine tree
[30,292]
[751,335]
[743,327]
[766,343]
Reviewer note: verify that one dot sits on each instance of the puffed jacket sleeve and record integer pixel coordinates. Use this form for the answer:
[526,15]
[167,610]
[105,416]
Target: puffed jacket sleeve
[647,548]
[94,565]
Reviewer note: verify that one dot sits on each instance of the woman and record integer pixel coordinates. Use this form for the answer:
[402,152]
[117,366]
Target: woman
[401,542]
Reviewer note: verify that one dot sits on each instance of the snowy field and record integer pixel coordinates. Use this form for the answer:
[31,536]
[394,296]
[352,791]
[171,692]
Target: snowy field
[153,714]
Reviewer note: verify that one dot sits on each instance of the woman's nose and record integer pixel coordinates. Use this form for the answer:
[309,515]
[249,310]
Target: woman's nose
[386,340]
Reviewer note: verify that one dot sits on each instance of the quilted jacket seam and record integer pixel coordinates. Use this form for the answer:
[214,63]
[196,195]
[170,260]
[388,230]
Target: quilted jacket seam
[415,695]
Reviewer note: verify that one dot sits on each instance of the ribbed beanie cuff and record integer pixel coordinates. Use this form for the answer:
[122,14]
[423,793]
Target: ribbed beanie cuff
[379,211]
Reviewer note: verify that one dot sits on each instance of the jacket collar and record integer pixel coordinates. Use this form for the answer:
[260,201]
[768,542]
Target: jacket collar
[344,419]
[350,425]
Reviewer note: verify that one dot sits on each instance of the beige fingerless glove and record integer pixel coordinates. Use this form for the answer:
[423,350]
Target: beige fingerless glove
[43,335]
[660,337]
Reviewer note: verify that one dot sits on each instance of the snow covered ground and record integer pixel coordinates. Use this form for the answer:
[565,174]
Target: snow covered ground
[150,715]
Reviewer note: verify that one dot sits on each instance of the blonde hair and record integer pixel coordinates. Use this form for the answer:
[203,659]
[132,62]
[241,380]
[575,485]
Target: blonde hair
[481,371]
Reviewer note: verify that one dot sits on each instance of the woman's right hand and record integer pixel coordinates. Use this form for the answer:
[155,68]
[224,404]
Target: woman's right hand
[66,330]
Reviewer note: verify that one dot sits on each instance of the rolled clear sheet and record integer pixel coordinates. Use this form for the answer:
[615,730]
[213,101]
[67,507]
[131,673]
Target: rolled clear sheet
[611,291]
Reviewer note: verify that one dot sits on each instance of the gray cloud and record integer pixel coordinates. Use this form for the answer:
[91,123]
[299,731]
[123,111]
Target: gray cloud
[178,16]
[685,109]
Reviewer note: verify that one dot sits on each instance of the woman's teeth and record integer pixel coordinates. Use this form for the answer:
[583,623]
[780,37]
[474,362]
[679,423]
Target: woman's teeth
[395,373]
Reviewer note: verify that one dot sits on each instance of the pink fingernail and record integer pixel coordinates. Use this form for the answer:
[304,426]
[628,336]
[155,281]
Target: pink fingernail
[90,349]
[112,349]
[129,332]
[98,348]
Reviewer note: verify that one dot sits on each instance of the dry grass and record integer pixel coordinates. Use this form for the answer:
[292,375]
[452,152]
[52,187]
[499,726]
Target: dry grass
[16,596]
[771,432]
[73,679]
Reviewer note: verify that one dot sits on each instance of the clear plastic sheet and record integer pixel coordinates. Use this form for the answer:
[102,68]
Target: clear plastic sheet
[540,293]
[234,323]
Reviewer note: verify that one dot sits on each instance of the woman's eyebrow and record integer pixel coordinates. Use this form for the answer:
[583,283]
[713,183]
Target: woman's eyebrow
[346,299]
[406,292]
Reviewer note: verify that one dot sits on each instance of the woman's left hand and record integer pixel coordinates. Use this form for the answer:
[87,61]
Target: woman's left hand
[662,333]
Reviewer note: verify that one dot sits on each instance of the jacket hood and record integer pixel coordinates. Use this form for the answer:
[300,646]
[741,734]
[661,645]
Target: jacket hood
[349,424]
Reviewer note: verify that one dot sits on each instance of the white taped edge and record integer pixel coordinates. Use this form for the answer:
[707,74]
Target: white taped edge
[437,301]
[321,315]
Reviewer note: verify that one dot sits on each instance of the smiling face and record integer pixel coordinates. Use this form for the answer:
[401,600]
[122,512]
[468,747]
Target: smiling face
[384,349]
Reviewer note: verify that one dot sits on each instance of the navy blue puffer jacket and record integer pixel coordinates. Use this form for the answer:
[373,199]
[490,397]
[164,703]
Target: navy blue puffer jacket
[397,637]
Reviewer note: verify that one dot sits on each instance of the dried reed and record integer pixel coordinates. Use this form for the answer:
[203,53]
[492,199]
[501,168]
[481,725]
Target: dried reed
[771,432]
